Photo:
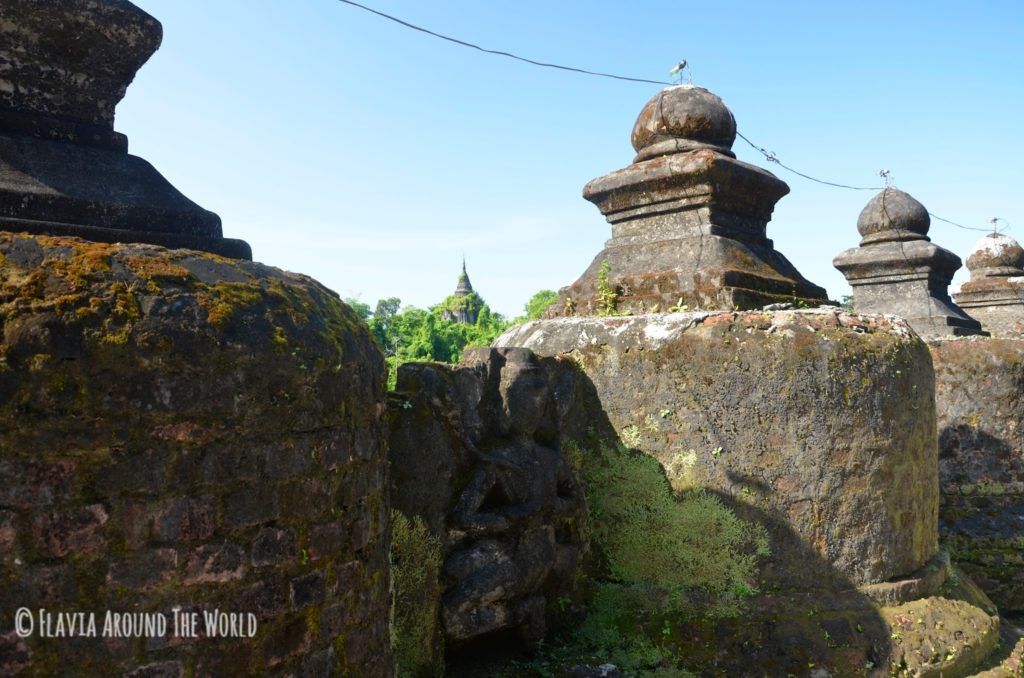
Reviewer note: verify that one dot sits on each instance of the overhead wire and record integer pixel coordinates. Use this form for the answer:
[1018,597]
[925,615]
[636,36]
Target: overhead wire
[770,156]
[498,52]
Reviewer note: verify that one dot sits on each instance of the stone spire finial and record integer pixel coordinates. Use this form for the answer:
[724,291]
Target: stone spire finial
[64,66]
[463,287]
[898,270]
[683,118]
[893,215]
[688,219]
[995,293]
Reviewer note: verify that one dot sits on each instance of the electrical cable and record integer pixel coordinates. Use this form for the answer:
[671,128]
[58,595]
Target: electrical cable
[769,155]
[499,52]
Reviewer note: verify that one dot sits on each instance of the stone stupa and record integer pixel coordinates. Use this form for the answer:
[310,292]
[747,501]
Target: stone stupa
[63,168]
[995,294]
[688,219]
[898,270]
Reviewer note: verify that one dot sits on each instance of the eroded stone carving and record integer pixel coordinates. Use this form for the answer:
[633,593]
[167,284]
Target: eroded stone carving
[477,457]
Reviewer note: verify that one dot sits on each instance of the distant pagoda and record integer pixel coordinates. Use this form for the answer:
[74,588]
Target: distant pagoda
[464,305]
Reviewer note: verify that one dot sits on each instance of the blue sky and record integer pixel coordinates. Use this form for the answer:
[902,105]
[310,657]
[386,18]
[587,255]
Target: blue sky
[372,157]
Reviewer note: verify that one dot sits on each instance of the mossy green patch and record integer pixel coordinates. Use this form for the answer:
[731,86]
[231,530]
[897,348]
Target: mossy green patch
[223,301]
[153,268]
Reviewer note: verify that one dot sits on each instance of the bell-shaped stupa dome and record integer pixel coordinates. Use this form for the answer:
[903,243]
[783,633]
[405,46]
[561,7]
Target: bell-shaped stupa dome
[683,118]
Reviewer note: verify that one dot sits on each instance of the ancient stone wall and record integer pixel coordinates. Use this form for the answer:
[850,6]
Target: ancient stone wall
[179,430]
[979,397]
[821,419]
[817,426]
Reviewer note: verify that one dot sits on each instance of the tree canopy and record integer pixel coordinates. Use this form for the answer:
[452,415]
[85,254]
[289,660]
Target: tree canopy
[412,334]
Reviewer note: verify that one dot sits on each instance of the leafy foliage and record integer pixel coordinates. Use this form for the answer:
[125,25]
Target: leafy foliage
[539,303]
[667,558]
[413,334]
[467,302]
[689,545]
[416,574]
[362,310]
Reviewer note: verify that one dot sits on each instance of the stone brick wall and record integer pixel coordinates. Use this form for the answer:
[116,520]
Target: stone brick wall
[178,430]
[979,397]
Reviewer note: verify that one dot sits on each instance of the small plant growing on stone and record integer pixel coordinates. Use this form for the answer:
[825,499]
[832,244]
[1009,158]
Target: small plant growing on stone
[607,297]
[631,437]
[680,307]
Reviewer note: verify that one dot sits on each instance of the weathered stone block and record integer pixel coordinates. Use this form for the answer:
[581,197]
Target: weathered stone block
[476,456]
[265,599]
[251,504]
[215,563]
[292,638]
[25,484]
[898,270]
[78,530]
[273,547]
[689,221]
[8,534]
[63,168]
[822,420]
[185,519]
[995,293]
[132,473]
[327,539]
[158,670]
[144,570]
[305,499]
[309,589]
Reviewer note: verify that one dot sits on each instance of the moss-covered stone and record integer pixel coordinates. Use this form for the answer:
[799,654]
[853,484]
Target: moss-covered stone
[154,437]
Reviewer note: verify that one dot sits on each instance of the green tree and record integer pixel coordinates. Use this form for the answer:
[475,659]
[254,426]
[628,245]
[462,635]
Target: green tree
[381,324]
[361,309]
[413,334]
[539,303]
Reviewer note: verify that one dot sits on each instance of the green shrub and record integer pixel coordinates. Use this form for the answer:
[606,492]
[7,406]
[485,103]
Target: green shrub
[694,548]
[416,637]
